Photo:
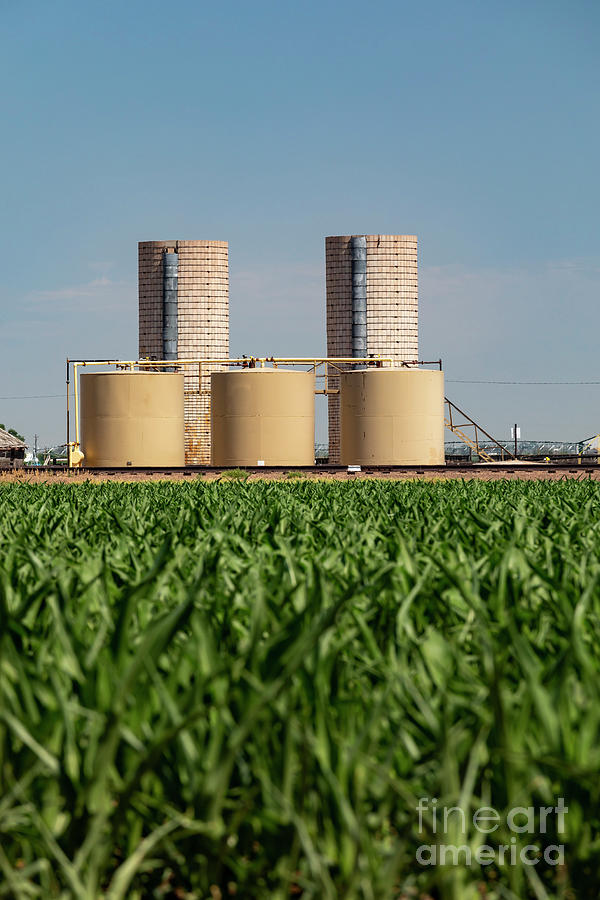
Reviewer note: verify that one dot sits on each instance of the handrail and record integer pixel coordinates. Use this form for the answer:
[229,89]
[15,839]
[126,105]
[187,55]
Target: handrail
[456,428]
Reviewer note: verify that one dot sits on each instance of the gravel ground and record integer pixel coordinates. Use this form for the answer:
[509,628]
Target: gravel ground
[482,473]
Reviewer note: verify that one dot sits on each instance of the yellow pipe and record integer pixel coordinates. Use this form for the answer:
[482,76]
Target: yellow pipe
[291,360]
[76,390]
[68,419]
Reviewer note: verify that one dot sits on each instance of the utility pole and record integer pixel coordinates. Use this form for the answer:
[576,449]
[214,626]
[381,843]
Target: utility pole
[516,434]
[35,440]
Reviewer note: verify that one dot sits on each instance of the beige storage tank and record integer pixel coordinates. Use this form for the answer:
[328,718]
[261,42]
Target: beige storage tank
[132,418]
[263,416]
[392,417]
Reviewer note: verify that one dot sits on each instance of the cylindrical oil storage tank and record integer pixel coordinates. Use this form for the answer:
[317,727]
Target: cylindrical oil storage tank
[263,417]
[132,419]
[392,417]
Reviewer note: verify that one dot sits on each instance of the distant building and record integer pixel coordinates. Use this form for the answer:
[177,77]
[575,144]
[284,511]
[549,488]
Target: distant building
[12,451]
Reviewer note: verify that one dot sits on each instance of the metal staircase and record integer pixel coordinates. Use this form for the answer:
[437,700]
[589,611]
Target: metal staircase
[456,427]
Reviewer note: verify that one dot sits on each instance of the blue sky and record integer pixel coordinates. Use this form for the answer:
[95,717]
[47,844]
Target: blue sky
[270,125]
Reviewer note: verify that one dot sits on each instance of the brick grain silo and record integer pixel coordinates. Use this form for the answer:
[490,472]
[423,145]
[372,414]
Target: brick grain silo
[372,304]
[184,314]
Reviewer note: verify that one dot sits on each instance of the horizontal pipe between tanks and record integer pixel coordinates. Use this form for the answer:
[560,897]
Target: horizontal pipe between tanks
[247,360]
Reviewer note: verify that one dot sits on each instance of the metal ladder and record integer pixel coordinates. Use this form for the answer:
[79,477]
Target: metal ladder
[451,413]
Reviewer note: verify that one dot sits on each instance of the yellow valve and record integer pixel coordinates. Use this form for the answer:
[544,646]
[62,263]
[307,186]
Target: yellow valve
[74,455]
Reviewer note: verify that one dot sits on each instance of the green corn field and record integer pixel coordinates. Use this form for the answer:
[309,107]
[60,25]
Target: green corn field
[247,688]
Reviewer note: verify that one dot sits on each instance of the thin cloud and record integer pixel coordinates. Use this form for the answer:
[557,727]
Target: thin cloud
[22,329]
[110,292]
[89,289]
[102,267]
[279,288]
[532,322]
[278,309]
[523,304]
